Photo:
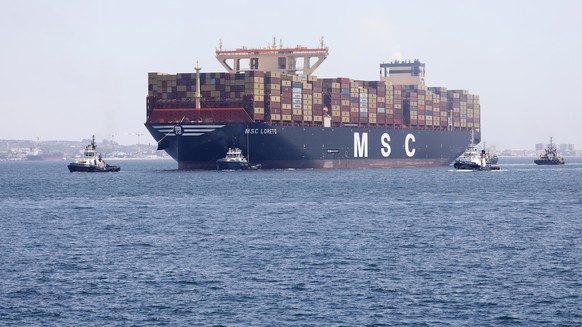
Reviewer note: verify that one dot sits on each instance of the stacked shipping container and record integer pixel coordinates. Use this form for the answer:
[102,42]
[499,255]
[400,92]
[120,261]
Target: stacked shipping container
[284,99]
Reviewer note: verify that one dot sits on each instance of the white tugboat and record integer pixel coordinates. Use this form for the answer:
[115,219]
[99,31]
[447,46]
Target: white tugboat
[91,162]
[234,160]
[472,159]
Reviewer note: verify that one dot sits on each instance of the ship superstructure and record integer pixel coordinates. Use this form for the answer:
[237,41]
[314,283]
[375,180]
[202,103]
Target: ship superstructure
[297,60]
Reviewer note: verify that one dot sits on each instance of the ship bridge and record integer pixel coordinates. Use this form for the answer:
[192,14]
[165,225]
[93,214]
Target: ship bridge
[403,72]
[297,61]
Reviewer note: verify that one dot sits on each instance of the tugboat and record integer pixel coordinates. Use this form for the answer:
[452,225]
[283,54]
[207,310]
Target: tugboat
[471,159]
[234,160]
[550,156]
[91,163]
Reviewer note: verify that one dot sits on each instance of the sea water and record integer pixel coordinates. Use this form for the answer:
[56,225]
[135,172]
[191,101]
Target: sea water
[152,246]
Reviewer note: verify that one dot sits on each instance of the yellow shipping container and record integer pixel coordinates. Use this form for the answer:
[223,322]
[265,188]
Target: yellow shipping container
[273,74]
[255,79]
[286,117]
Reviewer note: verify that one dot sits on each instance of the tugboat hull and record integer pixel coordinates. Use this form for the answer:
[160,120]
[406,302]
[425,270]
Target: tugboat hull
[472,166]
[231,165]
[74,167]
[549,162]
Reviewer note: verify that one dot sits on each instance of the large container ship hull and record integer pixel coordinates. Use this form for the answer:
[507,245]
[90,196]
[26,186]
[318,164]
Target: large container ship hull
[270,105]
[199,145]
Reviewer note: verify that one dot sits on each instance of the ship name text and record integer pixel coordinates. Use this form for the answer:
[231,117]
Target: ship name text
[260,131]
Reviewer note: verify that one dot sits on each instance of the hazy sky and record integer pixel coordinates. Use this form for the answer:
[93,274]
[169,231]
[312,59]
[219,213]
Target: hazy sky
[70,69]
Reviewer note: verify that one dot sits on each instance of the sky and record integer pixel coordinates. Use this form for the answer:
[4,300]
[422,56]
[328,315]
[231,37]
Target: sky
[72,69]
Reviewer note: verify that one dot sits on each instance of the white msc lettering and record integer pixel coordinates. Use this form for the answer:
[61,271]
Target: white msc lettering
[386,150]
[360,145]
[409,138]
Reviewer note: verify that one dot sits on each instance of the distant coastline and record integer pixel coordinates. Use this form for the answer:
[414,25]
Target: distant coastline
[66,150]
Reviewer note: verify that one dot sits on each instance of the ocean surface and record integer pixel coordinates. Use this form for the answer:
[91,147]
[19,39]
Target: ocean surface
[154,246]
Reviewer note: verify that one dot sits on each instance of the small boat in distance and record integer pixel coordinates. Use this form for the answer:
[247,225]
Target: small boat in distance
[550,156]
[491,158]
[91,162]
[471,159]
[234,160]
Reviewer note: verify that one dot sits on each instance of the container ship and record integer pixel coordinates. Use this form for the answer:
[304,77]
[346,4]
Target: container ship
[269,104]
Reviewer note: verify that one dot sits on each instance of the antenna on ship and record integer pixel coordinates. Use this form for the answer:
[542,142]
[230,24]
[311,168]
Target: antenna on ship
[198,96]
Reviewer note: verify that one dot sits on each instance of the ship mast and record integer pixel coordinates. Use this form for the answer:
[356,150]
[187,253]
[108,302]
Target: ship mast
[198,96]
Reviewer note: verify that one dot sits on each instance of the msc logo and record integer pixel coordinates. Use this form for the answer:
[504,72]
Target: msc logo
[178,130]
[361,145]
